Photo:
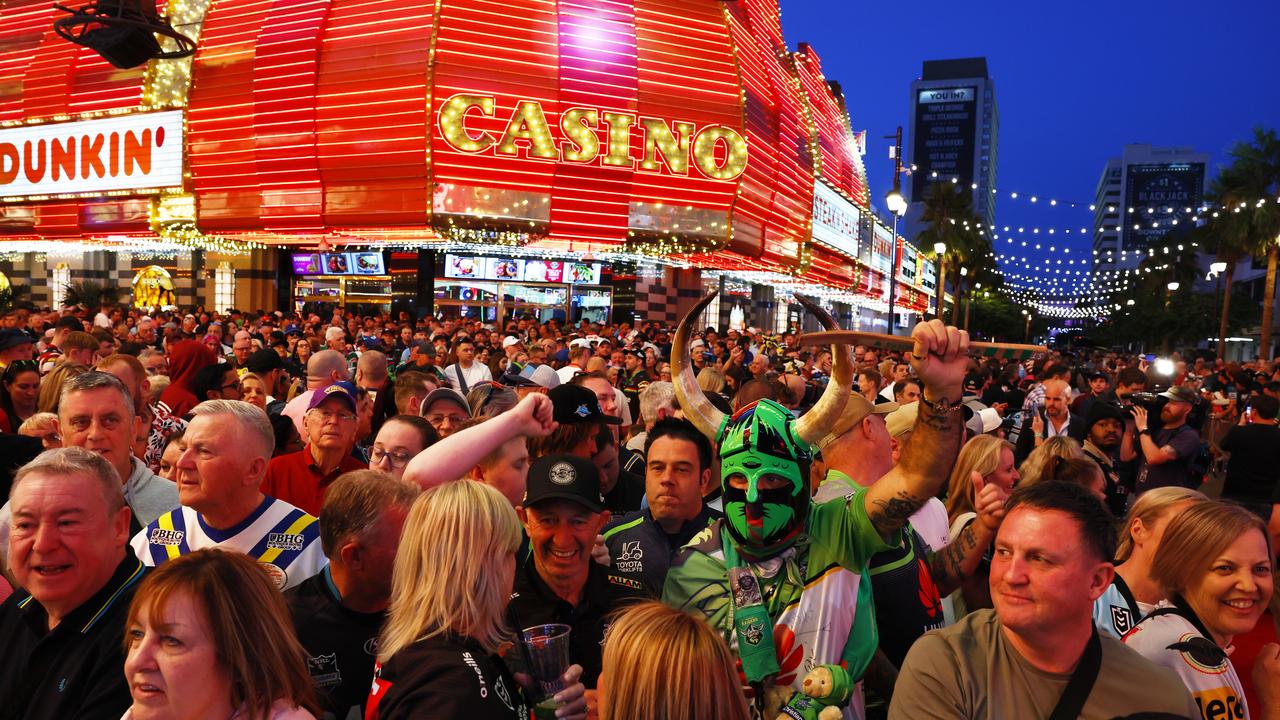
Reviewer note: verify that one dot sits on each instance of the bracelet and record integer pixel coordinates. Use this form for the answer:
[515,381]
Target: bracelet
[941,407]
[1144,431]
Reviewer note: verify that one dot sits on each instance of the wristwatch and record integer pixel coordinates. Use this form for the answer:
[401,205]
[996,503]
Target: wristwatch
[1144,431]
[941,407]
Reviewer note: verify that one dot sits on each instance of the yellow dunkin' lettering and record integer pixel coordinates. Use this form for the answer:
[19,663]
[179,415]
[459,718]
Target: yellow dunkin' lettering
[664,143]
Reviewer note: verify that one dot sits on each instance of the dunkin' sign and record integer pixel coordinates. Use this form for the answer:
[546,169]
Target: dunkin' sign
[141,151]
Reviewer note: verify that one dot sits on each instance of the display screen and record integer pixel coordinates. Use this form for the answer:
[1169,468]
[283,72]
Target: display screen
[463,267]
[306,264]
[336,263]
[503,269]
[544,271]
[469,267]
[368,263]
[585,274]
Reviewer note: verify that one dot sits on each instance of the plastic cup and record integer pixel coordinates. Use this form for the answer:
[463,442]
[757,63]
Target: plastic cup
[547,647]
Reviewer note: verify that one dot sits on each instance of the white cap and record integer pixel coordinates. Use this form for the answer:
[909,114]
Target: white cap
[542,374]
[508,341]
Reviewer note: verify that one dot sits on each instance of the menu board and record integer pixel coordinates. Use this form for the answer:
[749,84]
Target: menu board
[335,263]
[464,267]
[368,263]
[306,264]
[585,274]
[544,271]
[469,267]
[503,269]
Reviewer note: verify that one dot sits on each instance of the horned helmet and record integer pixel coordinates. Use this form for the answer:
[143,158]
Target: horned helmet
[765,451]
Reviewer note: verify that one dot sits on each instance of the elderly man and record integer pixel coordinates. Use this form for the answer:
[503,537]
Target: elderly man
[1038,654]
[241,349]
[159,425]
[323,369]
[559,583]
[677,478]
[154,361]
[224,456]
[446,410]
[657,402]
[339,611]
[1054,420]
[331,423]
[62,635]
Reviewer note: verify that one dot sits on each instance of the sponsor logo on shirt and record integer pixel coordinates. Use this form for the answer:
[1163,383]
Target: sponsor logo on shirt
[285,541]
[1121,619]
[629,560]
[471,662]
[160,536]
[625,582]
[1220,703]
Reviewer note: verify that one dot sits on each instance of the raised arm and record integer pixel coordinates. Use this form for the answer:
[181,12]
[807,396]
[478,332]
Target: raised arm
[957,561]
[453,456]
[940,357]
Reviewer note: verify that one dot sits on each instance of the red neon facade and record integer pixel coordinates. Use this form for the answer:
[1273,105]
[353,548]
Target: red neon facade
[307,119]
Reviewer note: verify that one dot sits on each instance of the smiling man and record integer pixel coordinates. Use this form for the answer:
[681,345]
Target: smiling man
[62,636]
[1038,654]
[224,456]
[559,583]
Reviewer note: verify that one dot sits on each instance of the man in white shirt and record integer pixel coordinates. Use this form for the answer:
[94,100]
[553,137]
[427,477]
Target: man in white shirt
[579,354]
[466,373]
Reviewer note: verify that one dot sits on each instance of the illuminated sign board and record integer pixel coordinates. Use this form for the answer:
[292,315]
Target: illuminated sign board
[835,220]
[881,247]
[470,267]
[946,120]
[717,152]
[1151,190]
[136,152]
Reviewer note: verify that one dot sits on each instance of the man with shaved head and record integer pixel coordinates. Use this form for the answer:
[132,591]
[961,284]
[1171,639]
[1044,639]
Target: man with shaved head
[1054,419]
[323,369]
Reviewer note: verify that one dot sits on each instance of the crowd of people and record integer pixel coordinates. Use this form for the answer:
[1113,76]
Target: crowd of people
[270,515]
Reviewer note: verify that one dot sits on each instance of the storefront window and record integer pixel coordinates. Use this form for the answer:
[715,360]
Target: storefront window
[224,287]
[59,279]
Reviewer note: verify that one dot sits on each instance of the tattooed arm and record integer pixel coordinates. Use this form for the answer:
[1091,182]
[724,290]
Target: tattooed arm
[955,563]
[940,358]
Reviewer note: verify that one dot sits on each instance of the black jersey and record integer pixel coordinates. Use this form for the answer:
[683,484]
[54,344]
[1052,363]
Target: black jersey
[445,678]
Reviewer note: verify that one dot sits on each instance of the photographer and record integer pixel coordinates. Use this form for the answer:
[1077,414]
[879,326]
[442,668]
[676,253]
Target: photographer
[1166,455]
[1254,445]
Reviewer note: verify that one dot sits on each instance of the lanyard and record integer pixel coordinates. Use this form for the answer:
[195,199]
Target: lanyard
[751,621]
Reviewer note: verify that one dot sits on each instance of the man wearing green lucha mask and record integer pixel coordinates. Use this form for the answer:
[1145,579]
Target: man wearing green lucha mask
[783,578]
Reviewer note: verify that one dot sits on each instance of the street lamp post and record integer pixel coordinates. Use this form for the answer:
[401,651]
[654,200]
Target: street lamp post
[897,205]
[1026,334]
[1216,269]
[940,249]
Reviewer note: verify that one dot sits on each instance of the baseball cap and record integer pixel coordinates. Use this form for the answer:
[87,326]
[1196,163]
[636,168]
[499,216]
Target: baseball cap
[11,338]
[426,347]
[1178,393]
[979,418]
[445,393]
[541,375]
[565,477]
[902,420]
[576,404]
[517,380]
[1102,410]
[261,361]
[855,411]
[508,341]
[972,384]
[343,390]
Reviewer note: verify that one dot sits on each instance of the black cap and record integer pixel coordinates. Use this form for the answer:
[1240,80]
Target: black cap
[263,361]
[565,477]
[516,380]
[972,384]
[575,404]
[1102,410]
[10,338]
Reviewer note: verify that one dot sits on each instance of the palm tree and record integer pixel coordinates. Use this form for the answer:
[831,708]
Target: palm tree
[1226,235]
[949,218]
[1255,172]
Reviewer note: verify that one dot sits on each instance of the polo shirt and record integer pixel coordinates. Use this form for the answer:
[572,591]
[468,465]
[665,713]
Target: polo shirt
[75,670]
[535,603]
[297,480]
[341,644]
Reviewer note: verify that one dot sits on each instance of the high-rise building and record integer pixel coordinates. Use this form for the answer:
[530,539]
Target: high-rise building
[955,126]
[1143,197]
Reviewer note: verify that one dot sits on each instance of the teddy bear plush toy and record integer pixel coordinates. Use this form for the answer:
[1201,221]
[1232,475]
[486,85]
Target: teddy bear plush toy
[826,689]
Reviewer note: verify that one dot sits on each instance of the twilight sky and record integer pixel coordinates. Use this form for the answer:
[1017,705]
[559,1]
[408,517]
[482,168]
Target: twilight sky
[1074,81]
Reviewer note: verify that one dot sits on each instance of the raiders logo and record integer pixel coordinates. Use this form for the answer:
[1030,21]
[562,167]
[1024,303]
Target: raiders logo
[1121,619]
[753,633]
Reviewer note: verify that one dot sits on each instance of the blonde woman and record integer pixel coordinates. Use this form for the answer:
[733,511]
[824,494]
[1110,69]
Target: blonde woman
[51,385]
[438,652]
[984,473]
[253,390]
[1133,594]
[663,664]
[1215,564]
[1033,469]
[711,380]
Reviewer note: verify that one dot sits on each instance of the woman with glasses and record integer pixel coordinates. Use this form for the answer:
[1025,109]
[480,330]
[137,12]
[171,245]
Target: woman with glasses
[398,441]
[19,393]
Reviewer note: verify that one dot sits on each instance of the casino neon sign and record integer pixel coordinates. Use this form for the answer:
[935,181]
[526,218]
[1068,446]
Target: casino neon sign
[715,151]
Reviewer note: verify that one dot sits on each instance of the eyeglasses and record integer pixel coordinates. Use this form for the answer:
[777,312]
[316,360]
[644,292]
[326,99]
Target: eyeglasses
[394,459]
[327,415]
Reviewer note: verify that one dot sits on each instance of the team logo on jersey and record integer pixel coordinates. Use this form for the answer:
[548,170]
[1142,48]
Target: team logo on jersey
[324,670]
[1202,654]
[500,687]
[562,473]
[160,536]
[371,646]
[1121,618]
[285,541]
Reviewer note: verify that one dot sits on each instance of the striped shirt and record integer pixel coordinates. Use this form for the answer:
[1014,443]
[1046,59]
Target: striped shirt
[279,536]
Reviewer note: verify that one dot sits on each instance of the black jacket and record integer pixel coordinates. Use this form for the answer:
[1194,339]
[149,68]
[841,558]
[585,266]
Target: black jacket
[445,678]
[75,670]
[641,550]
[1026,440]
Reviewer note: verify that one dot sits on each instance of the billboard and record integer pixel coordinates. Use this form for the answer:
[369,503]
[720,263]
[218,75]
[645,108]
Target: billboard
[945,124]
[835,220]
[135,151]
[1155,187]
